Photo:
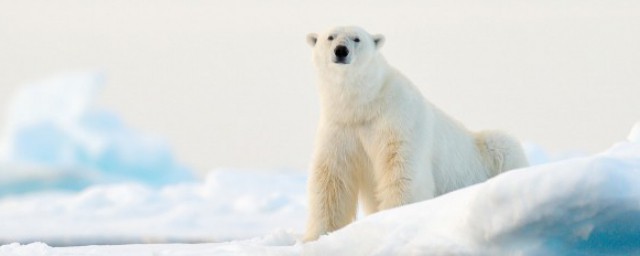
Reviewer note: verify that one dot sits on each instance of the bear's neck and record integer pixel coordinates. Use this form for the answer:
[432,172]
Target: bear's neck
[348,95]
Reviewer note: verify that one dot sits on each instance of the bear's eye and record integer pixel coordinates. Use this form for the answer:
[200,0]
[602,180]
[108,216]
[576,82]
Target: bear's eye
[357,40]
[330,38]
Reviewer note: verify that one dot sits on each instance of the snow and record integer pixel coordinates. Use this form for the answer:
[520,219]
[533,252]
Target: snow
[58,138]
[229,204]
[538,155]
[581,206]
[275,244]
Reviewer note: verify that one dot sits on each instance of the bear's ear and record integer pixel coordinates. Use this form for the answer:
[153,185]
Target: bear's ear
[378,40]
[312,38]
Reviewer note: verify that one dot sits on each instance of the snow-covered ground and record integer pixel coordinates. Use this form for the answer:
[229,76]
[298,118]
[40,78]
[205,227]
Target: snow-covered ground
[96,182]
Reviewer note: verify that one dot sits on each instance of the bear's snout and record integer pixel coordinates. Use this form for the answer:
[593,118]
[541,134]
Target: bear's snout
[341,51]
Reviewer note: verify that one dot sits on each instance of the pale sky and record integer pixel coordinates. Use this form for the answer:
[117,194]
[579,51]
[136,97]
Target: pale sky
[231,84]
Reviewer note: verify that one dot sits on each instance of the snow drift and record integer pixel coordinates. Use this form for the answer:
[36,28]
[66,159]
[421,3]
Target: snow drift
[582,206]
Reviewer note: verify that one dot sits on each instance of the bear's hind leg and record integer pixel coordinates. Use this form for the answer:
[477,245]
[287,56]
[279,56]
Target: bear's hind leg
[500,152]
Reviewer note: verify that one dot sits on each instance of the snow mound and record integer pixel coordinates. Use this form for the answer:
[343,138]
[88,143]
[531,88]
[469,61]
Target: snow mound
[56,137]
[583,206]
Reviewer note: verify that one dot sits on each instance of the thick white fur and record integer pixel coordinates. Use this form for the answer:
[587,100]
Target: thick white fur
[381,143]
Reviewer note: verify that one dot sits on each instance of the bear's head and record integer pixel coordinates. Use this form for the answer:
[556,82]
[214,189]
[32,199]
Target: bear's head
[344,47]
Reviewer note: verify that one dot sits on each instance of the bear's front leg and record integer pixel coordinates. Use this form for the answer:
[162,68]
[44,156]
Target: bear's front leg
[333,186]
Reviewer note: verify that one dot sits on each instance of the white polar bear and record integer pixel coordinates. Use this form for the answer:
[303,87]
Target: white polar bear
[380,140]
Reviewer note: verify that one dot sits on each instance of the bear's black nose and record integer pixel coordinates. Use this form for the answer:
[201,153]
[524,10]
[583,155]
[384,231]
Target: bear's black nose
[341,51]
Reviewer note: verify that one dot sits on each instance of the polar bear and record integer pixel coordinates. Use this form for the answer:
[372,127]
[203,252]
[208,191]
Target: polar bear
[380,142]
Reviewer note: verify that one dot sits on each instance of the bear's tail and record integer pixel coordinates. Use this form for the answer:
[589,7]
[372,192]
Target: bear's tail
[500,152]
